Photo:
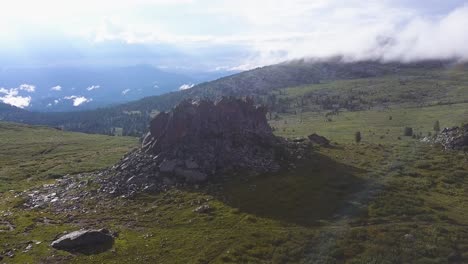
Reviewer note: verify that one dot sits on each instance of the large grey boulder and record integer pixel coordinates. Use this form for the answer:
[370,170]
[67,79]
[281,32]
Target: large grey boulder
[85,241]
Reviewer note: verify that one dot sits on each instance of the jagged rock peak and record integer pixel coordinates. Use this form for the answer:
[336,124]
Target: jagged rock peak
[194,121]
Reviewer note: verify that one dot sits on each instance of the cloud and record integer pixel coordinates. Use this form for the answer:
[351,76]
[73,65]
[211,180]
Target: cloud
[93,87]
[238,35]
[186,86]
[56,101]
[124,92]
[18,101]
[27,87]
[272,31]
[56,88]
[78,100]
[12,97]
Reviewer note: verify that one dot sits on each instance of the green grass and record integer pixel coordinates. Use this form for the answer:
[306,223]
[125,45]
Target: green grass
[416,88]
[374,125]
[31,153]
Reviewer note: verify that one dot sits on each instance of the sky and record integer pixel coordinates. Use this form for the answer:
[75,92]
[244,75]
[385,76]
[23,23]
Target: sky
[212,35]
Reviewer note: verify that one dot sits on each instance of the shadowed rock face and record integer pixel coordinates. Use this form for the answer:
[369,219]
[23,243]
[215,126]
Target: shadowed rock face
[196,123]
[207,137]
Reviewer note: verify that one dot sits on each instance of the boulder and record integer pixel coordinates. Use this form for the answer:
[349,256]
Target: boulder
[455,138]
[319,140]
[85,241]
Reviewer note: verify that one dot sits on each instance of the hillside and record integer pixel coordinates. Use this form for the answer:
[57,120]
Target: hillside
[285,88]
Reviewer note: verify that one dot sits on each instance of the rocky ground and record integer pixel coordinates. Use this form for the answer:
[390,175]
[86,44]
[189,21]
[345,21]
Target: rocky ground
[454,138]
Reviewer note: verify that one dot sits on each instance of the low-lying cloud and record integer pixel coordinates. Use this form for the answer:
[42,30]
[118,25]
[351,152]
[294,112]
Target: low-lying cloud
[12,96]
[78,100]
[247,33]
[356,30]
[186,86]
[56,88]
[93,87]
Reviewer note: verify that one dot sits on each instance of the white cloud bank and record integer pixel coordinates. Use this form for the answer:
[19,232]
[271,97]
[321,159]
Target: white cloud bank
[241,34]
[12,97]
[186,86]
[78,100]
[274,31]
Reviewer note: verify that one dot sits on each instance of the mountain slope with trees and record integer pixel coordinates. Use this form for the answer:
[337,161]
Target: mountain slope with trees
[288,87]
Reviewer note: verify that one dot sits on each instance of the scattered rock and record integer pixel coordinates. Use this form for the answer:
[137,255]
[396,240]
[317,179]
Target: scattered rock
[455,138]
[85,241]
[203,209]
[319,140]
[28,247]
[408,237]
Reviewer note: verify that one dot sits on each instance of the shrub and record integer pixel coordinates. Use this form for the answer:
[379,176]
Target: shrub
[437,126]
[357,137]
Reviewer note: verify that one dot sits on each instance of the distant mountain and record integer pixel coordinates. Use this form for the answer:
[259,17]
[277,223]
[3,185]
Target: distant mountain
[262,84]
[70,89]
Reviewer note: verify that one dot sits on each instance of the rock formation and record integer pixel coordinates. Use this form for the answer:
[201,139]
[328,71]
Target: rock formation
[197,141]
[455,138]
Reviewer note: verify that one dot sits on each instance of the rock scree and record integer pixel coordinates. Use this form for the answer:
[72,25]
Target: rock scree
[85,241]
[199,141]
[455,138]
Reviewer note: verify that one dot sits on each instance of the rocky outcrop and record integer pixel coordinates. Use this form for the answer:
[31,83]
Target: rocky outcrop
[198,141]
[455,138]
[85,241]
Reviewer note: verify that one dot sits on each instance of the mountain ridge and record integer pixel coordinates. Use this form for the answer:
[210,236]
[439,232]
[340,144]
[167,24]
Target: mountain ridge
[260,83]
